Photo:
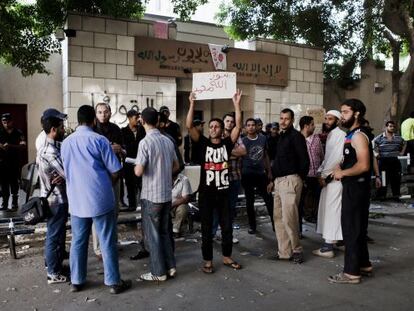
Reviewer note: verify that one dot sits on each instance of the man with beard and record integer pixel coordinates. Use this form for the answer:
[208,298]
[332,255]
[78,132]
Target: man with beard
[113,133]
[355,174]
[214,182]
[52,176]
[329,212]
[388,147]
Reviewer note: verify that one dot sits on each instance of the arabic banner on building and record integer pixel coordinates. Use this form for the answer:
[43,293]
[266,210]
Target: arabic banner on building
[218,56]
[214,85]
[171,58]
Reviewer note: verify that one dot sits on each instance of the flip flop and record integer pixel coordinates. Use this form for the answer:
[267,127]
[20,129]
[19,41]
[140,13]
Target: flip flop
[234,265]
[368,271]
[208,269]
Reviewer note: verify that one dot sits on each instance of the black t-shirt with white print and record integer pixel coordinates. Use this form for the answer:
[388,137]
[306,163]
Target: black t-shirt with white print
[214,174]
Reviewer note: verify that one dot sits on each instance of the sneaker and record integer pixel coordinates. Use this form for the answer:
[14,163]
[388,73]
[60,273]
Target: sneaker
[342,278]
[56,278]
[150,277]
[171,273]
[120,287]
[323,253]
[297,258]
[74,288]
[235,241]
[278,258]
[370,240]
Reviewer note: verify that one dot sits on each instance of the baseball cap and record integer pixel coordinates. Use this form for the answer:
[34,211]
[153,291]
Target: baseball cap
[197,122]
[275,125]
[164,108]
[6,116]
[53,113]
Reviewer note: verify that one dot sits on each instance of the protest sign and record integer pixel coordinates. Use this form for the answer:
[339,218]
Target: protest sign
[214,85]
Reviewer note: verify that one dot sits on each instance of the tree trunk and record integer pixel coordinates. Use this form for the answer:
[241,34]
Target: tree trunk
[393,111]
[396,17]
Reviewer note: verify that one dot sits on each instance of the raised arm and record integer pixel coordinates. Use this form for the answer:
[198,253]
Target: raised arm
[192,131]
[235,133]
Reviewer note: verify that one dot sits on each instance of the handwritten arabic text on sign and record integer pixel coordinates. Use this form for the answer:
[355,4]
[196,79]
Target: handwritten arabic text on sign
[213,85]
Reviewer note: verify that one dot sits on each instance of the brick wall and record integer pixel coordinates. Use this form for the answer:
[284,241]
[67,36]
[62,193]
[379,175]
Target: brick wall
[100,58]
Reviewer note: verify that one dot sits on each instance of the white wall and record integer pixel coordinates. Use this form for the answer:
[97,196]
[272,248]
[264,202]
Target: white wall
[38,92]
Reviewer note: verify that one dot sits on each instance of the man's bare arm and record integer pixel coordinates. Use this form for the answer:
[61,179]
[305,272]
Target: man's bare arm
[192,131]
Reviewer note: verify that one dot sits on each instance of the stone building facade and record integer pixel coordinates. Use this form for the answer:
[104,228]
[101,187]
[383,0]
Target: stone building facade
[99,63]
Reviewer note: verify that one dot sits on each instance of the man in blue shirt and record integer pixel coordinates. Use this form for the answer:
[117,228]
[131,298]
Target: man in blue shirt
[91,168]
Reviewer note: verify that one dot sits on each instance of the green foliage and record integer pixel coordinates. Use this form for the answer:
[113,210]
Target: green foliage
[25,30]
[349,31]
[186,8]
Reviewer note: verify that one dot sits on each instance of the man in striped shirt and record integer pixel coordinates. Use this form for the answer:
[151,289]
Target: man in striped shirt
[52,175]
[156,162]
[387,147]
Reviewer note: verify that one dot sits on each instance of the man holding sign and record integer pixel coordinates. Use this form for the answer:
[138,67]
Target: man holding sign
[214,182]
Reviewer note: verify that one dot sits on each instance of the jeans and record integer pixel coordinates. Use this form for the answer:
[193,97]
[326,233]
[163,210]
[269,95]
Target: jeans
[209,203]
[107,233]
[157,232]
[259,181]
[354,221]
[55,238]
[234,189]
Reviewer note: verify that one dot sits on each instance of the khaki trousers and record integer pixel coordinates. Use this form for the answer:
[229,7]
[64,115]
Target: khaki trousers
[286,200]
[179,214]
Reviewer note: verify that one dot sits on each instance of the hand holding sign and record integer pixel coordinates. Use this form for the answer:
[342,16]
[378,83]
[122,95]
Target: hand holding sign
[214,85]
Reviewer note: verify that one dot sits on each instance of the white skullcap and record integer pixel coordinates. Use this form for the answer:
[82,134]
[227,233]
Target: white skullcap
[334,113]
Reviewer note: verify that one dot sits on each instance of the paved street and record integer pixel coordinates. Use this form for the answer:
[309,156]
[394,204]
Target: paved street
[262,284]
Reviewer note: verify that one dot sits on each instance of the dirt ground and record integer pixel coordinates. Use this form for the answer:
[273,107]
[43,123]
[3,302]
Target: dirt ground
[262,284]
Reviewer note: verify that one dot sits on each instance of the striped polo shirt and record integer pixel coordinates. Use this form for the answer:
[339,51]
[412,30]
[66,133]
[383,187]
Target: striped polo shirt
[156,154]
[388,148]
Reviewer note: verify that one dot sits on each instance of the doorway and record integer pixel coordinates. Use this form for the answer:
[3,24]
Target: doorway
[19,114]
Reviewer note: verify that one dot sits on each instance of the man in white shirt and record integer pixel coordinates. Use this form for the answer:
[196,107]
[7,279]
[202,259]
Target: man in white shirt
[181,193]
[330,203]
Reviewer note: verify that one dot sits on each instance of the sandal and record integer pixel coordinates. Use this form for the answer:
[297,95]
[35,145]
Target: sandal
[366,271]
[208,269]
[234,265]
[342,278]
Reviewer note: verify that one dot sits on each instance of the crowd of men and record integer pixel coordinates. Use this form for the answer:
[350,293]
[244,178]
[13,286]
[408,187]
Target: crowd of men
[322,177]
